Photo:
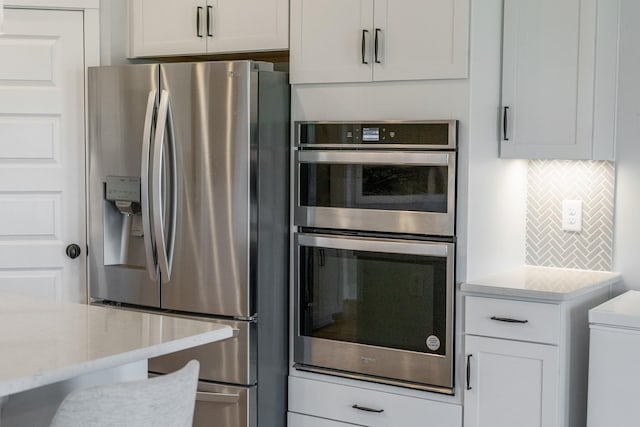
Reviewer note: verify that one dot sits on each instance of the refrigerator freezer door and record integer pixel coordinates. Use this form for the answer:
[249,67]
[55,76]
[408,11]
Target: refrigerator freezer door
[232,361]
[225,406]
[120,130]
[212,110]
[221,405]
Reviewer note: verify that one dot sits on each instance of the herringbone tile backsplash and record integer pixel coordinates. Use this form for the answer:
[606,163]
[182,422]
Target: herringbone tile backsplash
[549,183]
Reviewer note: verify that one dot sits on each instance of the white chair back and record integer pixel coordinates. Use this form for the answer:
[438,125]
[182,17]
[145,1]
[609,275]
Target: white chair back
[164,401]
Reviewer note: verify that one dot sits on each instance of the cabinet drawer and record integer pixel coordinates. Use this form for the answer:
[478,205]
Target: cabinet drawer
[488,317]
[297,420]
[323,399]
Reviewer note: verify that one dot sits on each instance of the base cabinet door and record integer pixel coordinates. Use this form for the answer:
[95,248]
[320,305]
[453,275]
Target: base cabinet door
[298,420]
[510,383]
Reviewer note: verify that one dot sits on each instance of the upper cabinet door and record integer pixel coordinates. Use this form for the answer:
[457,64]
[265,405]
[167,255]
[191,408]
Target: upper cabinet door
[187,27]
[167,27]
[421,39]
[331,41]
[366,40]
[558,82]
[247,25]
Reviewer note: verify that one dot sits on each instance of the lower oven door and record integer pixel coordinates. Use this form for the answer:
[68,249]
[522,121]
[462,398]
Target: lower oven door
[377,307]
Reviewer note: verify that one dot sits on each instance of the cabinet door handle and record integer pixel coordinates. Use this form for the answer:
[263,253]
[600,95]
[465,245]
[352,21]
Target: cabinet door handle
[364,45]
[364,408]
[505,123]
[376,46]
[469,371]
[198,20]
[508,320]
[210,21]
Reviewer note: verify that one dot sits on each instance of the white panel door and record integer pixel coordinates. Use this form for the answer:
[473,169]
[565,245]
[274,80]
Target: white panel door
[42,157]
[167,27]
[548,78]
[421,39]
[247,25]
[298,420]
[511,383]
[331,41]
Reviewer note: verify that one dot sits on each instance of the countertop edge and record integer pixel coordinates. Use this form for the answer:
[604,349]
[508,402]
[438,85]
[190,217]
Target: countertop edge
[25,383]
[501,291]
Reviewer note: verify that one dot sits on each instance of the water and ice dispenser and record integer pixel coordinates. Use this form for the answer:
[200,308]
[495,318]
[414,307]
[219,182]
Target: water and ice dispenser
[123,232]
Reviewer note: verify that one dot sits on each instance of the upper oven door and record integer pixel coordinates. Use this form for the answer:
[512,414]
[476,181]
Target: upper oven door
[398,192]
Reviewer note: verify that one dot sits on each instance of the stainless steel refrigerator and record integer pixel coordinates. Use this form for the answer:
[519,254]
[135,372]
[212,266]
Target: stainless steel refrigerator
[188,214]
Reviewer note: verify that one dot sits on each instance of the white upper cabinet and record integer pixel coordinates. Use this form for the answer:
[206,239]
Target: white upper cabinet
[185,27]
[166,27]
[559,79]
[378,40]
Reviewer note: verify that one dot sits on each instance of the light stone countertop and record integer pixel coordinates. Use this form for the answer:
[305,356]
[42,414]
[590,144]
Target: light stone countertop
[547,283]
[622,311]
[43,341]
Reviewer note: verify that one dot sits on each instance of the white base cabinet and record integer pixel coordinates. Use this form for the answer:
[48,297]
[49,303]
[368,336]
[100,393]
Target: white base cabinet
[297,420]
[527,360]
[315,403]
[514,383]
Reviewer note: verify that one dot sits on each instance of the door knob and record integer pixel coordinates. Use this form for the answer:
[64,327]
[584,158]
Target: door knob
[73,251]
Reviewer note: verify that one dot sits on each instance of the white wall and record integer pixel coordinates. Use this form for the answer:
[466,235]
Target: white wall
[626,246]
[113,32]
[496,188]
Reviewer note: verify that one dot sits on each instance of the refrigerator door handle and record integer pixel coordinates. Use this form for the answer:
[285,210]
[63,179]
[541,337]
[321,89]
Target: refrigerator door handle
[149,247]
[203,396]
[164,127]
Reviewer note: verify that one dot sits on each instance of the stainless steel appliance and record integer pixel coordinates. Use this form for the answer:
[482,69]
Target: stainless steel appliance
[388,177]
[188,214]
[374,251]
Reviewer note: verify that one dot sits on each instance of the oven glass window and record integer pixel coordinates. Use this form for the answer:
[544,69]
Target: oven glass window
[405,188]
[387,300]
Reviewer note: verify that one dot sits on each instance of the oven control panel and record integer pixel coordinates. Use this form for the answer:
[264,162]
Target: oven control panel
[428,134]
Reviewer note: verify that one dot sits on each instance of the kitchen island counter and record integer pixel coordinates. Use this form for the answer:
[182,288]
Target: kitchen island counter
[44,341]
[50,348]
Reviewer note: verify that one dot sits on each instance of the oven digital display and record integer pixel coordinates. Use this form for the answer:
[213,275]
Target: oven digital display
[370,134]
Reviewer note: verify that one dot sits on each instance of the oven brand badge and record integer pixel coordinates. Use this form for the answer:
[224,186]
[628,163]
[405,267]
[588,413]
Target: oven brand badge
[433,342]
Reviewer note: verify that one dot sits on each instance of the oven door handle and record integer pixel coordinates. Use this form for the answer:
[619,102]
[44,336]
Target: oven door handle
[378,245]
[376,157]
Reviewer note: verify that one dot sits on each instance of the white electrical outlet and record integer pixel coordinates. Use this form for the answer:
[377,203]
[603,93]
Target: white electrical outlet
[572,215]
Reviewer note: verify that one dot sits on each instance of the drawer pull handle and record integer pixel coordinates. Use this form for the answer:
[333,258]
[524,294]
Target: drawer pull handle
[364,408]
[508,320]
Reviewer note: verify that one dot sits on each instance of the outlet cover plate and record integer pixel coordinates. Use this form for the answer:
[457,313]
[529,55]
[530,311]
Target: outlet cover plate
[572,215]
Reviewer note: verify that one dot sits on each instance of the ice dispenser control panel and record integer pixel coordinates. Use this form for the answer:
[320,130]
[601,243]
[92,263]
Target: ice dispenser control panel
[123,188]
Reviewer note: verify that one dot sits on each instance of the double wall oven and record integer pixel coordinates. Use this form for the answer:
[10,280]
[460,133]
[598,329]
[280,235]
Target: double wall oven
[374,248]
